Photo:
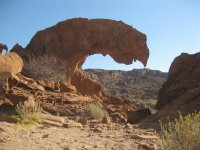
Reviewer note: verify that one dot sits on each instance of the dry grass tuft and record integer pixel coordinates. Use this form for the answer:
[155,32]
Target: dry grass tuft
[28,113]
[182,134]
[96,111]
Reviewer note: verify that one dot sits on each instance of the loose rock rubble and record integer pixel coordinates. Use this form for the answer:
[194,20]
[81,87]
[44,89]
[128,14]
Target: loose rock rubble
[73,136]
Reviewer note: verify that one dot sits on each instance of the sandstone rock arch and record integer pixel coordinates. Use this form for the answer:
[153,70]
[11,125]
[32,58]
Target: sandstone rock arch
[75,39]
[2,47]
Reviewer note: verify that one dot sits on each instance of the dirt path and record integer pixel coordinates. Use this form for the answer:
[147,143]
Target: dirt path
[89,137]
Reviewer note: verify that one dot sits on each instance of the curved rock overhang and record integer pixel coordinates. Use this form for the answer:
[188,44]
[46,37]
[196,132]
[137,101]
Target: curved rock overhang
[75,39]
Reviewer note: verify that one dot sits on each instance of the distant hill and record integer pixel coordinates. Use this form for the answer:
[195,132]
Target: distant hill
[135,85]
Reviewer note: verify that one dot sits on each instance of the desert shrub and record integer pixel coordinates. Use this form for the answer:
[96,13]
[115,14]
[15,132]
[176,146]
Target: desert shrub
[153,102]
[182,134]
[45,67]
[96,111]
[28,113]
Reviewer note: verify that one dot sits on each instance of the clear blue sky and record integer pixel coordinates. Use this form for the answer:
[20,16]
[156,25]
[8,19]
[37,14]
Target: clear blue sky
[171,26]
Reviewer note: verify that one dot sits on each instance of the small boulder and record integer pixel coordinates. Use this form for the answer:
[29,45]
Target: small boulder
[67,88]
[106,120]
[136,116]
[6,118]
[72,124]
[45,136]
[48,84]
[145,146]
[83,121]
[118,118]
[128,126]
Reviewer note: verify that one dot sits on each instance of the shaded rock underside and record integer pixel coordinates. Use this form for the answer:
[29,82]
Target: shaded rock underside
[181,92]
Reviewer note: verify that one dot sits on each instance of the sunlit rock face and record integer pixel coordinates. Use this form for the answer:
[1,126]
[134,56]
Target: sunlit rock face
[75,39]
[10,64]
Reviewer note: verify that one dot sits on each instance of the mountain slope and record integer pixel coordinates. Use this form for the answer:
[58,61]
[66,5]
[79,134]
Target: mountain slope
[135,85]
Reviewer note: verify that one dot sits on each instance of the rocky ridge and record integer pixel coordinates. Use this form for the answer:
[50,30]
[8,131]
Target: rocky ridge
[135,85]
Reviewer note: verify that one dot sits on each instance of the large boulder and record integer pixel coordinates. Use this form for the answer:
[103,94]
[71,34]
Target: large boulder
[74,40]
[180,93]
[10,63]
[184,77]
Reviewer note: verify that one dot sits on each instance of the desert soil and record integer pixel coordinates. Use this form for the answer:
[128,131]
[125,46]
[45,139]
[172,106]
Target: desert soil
[88,137]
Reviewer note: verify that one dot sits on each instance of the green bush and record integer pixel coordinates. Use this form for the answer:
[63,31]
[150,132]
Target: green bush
[96,111]
[182,134]
[28,113]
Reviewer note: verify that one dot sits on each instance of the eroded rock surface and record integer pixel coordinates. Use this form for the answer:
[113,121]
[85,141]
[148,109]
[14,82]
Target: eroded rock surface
[181,91]
[75,39]
[184,76]
[10,63]
[17,88]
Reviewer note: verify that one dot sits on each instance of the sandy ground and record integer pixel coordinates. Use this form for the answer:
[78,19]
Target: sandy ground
[88,137]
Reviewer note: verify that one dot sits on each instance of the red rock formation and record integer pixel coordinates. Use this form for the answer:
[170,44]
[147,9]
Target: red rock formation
[181,91]
[10,64]
[75,39]
[184,76]
[3,46]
